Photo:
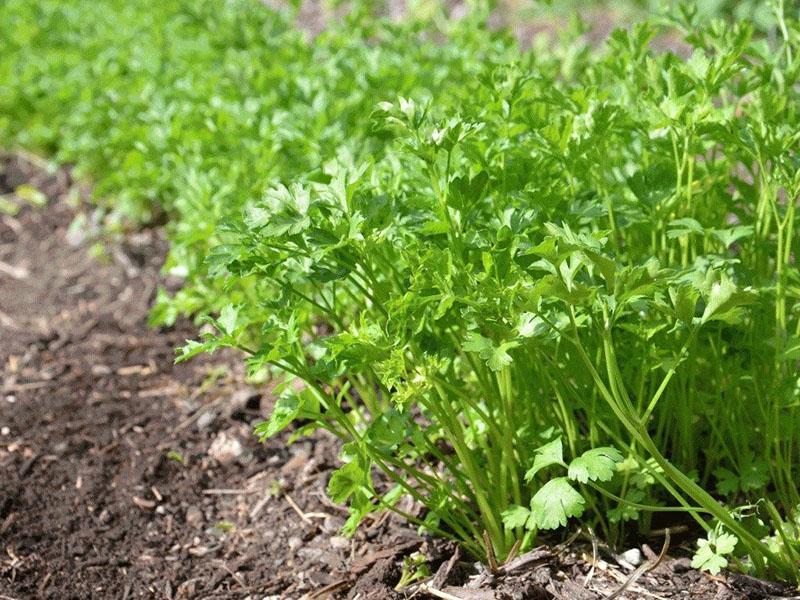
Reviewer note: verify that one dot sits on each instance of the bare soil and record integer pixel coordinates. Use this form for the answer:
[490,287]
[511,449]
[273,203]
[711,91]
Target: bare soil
[125,476]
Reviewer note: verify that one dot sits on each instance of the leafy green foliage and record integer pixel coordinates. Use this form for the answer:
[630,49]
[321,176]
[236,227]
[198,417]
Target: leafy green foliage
[516,516]
[598,464]
[550,508]
[554,503]
[287,408]
[711,552]
[450,251]
[547,455]
[345,482]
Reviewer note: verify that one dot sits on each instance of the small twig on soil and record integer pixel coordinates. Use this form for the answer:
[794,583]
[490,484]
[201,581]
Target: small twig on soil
[602,548]
[203,550]
[44,583]
[228,492]
[142,503]
[590,574]
[667,531]
[645,568]
[197,412]
[272,583]
[377,523]
[305,515]
[326,501]
[664,550]
[29,385]
[135,370]
[633,587]
[236,577]
[513,552]
[438,593]
[8,522]
[493,567]
[259,505]
[297,509]
[445,569]
[566,544]
[14,272]
[539,555]
[327,589]
[159,391]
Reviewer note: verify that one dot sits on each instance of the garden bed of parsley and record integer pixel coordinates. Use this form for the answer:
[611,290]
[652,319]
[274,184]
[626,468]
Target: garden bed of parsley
[530,292]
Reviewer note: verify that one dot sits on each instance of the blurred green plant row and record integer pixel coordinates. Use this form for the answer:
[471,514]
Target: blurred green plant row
[521,286]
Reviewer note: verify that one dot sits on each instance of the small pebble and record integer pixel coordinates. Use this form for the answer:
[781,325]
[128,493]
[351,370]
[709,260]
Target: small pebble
[204,420]
[294,543]
[194,516]
[5,431]
[331,524]
[633,556]
[225,449]
[340,543]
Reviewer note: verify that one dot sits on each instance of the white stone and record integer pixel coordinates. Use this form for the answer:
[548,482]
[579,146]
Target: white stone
[225,449]
[633,556]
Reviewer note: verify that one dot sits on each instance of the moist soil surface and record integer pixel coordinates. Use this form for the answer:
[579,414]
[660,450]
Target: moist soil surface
[123,475]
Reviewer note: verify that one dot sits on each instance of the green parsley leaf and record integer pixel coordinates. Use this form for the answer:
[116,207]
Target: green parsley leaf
[598,464]
[711,552]
[554,503]
[515,516]
[551,453]
[345,481]
[287,408]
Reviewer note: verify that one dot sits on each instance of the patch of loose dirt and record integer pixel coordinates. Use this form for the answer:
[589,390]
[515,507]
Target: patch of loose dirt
[124,476]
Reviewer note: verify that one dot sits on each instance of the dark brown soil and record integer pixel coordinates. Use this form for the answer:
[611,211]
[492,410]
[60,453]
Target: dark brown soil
[124,476]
